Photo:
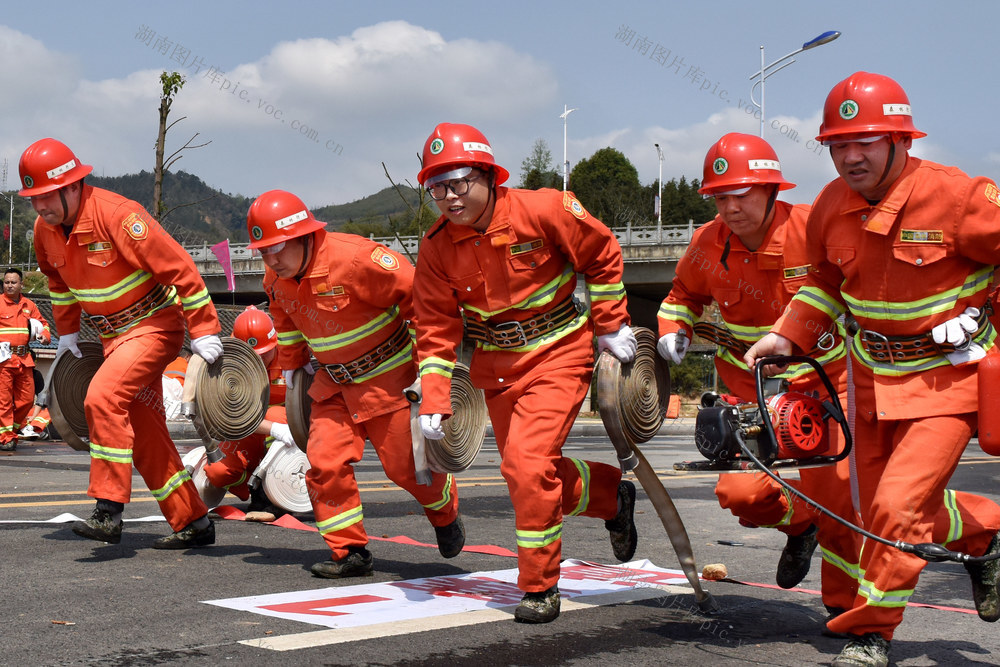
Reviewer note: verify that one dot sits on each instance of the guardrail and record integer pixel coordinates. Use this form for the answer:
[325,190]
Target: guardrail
[408,245]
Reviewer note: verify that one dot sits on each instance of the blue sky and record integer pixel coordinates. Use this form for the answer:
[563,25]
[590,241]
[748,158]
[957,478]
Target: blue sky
[369,81]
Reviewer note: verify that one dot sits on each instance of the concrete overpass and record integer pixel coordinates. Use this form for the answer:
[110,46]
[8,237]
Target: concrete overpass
[650,255]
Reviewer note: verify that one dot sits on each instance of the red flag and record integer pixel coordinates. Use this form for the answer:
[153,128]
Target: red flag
[221,251]
[6,232]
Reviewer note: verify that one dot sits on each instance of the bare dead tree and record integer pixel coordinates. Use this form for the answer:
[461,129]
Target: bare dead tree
[172,84]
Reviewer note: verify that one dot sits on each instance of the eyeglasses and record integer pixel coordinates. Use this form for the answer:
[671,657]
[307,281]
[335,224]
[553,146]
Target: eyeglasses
[272,249]
[459,186]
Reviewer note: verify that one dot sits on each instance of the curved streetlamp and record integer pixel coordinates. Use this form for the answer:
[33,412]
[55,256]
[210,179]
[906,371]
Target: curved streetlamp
[766,71]
[564,115]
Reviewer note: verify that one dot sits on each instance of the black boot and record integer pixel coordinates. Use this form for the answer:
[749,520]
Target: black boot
[188,537]
[793,566]
[104,525]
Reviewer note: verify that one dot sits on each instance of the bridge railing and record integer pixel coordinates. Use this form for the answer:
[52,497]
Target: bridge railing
[408,245]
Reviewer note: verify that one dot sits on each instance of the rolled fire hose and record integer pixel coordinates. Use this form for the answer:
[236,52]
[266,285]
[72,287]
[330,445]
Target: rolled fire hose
[226,400]
[66,388]
[632,400]
[298,406]
[464,431]
[284,469]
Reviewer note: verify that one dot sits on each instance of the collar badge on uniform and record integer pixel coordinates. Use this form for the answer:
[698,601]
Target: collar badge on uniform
[99,246]
[796,271]
[521,248]
[992,194]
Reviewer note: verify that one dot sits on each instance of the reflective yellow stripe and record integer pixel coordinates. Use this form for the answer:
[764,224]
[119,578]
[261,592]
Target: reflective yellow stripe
[785,520]
[940,302]
[853,570]
[341,521]
[437,366]
[112,292]
[327,343]
[540,297]
[955,525]
[613,292]
[172,485]
[112,454]
[290,338]
[814,297]
[445,496]
[62,298]
[584,470]
[536,539]
[196,300]
[676,312]
[876,598]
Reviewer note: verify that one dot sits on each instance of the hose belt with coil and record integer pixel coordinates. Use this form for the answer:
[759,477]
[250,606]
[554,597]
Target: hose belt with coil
[633,399]
[226,400]
[464,431]
[65,390]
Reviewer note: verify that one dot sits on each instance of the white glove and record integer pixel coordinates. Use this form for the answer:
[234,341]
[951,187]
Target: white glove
[36,329]
[430,425]
[288,375]
[68,342]
[958,331]
[282,433]
[208,348]
[622,344]
[673,346]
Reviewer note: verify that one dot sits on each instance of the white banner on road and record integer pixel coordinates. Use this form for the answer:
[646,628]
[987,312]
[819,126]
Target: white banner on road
[369,604]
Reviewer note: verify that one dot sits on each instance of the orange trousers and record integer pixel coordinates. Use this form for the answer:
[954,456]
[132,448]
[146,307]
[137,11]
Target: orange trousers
[531,421]
[17,397]
[902,468]
[757,500]
[336,443]
[242,457]
[125,416]
[40,421]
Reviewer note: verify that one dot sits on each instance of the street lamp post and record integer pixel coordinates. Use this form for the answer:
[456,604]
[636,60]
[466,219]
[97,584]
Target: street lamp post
[659,193]
[10,229]
[766,71]
[566,112]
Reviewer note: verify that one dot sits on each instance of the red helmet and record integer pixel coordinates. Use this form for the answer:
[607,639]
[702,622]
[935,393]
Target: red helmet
[48,165]
[737,161]
[866,103]
[456,145]
[256,329]
[278,216]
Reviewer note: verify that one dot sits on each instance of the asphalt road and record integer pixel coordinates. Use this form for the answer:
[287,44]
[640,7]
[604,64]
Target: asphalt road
[69,601]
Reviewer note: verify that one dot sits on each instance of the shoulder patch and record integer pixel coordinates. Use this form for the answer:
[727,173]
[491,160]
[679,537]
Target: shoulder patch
[573,205]
[921,235]
[992,194]
[135,226]
[385,259]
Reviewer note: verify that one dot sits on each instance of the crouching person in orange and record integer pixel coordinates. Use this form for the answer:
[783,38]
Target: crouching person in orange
[508,259]
[347,300]
[108,260]
[242,457]
[750,260]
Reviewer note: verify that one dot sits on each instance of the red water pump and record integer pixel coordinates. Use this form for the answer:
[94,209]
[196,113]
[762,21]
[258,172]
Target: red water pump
[782,429]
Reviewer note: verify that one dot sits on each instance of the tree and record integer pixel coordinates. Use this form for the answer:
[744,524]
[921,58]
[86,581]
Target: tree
[536,169]
[607,184]
[172,84]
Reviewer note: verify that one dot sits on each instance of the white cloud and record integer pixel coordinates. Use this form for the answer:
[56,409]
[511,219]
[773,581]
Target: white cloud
[314,116]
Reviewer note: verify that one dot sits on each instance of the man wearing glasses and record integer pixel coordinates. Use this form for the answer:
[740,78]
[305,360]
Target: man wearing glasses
[507,260]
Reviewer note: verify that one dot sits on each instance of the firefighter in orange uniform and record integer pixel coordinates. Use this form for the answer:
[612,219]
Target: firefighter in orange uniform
[108,260]
[750,260]
[508,260]
[242,457]
[20,323]
[347,300]
[907,247]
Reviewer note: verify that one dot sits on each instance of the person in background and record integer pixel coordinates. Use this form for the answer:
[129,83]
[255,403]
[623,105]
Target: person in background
[20,323]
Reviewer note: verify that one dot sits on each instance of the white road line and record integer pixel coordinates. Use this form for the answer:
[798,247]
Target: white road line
[343,635]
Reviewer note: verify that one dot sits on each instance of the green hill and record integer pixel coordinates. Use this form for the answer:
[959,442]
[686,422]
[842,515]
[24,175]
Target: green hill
[198,213]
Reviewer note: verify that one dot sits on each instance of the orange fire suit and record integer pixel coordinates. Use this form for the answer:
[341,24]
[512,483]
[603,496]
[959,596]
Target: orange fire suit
[17,383]
[113,258]
[177,369]
[751,293]
[244,455]
[354,296]
[40,421]
[524,265]
[917,258]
